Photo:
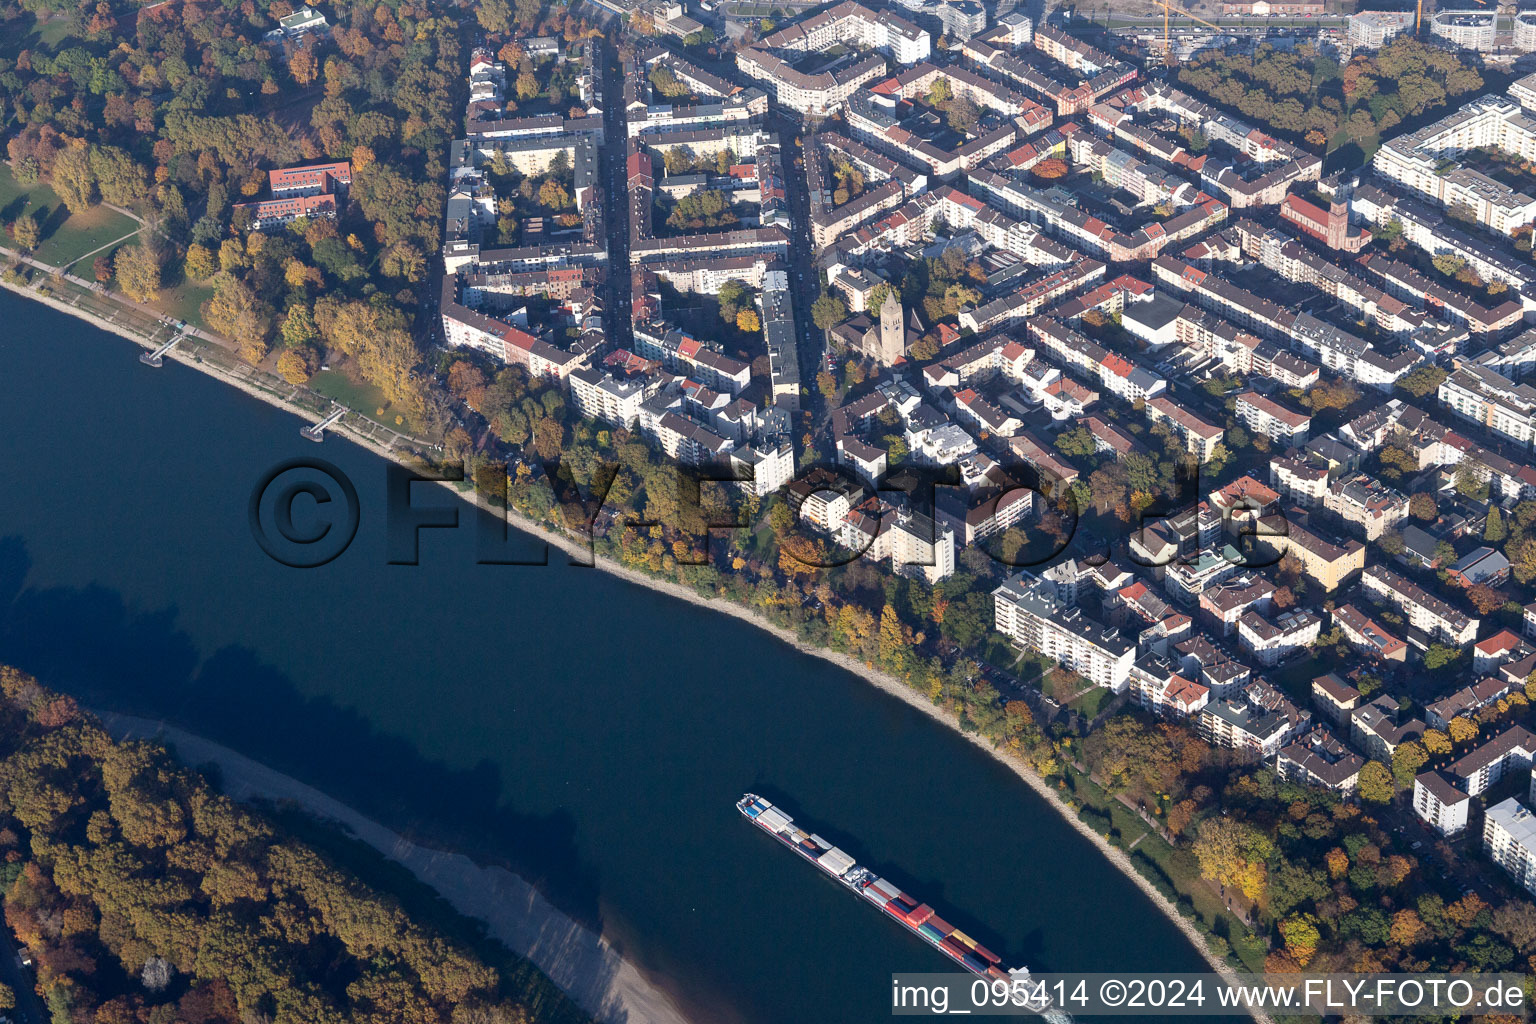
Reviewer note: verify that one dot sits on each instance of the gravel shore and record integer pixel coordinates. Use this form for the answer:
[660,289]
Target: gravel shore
[581,962]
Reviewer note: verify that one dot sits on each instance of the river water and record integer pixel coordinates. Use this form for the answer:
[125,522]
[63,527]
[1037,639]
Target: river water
[588,733]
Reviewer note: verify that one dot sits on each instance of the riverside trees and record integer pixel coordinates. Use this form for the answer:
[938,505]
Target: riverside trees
[177,111]
[143,894]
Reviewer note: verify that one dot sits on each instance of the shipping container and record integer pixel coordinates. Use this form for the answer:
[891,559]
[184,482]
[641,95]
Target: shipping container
[974,962]
[930,933]
[920,914]
[941,924]
[985,953]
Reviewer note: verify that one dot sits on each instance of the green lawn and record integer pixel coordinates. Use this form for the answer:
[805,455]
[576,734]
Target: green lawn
[66,236]
[184,302]
[364,399]
[1175,867]
[1092,702]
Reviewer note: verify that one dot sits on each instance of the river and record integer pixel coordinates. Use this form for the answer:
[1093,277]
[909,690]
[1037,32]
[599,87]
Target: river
[587,733]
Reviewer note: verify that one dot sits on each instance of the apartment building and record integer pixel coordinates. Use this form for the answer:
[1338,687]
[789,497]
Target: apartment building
[1157,686]
[602,396]
[1327,564]
[1369,506]
[1486,764]
[1263,415]
[1380,727]
[1335,699]
[1257,722]
[1271,641]
[1419,160]
[1484,396]
[1319,759]
[1509,840]
[1368,635]
[1200,438]
[1438,802]
[1298,481]
[1423,611]
[1031,614]
[1371,30]
[1468,29]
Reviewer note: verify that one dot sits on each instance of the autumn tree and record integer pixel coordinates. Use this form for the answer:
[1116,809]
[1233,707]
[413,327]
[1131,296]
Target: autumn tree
[1461,729]
[1375,783]
[494,15]
[1407,760]
[26,231]
[235,312]
[138,272]
[73,180]
[747,321]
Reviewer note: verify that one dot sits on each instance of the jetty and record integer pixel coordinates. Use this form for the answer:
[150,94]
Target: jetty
[315,431]
[157,357]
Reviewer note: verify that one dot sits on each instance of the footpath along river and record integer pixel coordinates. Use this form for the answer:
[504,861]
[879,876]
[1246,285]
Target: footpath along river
[586,733]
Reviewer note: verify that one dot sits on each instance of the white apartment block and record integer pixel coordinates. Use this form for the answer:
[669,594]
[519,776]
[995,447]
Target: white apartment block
[1371,30]
[1271,641]
[1486,397]
[1029,612]
[1263,415]
[1509,840]
[1440,803]
[1470,29]
[1425,161]
[602,396]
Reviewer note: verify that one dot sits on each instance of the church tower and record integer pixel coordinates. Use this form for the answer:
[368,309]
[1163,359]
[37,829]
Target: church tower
[1338,224]
[893,331]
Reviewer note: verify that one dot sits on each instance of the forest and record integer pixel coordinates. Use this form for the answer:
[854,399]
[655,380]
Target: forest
[1308,96]
[146,897]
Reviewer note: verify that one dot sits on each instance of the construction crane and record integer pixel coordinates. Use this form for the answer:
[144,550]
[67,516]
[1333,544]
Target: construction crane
[1167,47]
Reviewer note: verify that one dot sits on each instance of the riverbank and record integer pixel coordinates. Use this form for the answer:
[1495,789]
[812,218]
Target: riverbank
[581,553]
[576,959]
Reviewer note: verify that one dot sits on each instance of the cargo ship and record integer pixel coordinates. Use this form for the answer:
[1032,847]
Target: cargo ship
[907,911]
